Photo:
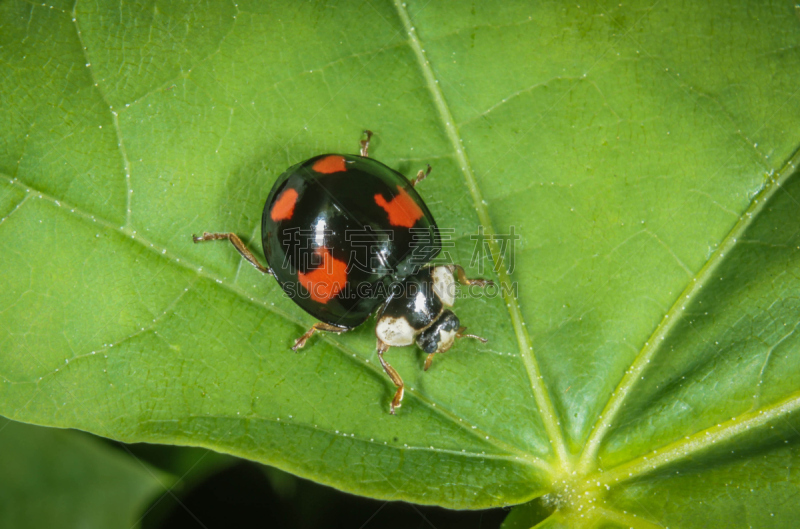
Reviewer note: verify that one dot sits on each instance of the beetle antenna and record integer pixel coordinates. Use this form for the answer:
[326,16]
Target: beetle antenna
[461,334]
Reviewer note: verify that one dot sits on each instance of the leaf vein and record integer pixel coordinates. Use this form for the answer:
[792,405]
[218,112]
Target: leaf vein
[687,447]
[651,347]
[540,392]
[126,166]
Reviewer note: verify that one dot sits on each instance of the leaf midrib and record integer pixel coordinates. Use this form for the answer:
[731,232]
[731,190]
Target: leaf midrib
[540,392]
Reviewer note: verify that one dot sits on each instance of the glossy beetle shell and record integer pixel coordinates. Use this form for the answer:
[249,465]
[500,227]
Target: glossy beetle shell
[339,230]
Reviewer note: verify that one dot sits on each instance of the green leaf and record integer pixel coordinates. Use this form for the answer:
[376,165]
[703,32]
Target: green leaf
[644,154]
[58,478]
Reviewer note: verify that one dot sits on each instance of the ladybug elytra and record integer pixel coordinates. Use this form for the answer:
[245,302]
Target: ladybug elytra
[347,237]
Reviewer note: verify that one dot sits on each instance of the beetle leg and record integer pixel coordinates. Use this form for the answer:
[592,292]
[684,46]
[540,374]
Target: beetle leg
[421,175]
[398,396]
[464,280]
[365,144]
[319,326]
[238,244]
[428,361]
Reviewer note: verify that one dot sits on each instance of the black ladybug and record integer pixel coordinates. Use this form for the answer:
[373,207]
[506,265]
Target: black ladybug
[346,236]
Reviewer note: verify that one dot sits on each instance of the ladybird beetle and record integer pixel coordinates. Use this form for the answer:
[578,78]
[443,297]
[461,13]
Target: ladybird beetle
[347,237]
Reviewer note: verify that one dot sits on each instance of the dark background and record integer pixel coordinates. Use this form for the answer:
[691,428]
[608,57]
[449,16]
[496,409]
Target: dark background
[219,491]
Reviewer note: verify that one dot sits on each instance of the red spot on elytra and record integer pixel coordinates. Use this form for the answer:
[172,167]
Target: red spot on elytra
[402,209]
[324,282]
[283,208]
[330,164]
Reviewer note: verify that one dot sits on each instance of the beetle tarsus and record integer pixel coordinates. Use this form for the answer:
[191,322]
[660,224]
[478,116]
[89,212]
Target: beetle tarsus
[319,326]
[421,175]
[238,244]
[365,144]
[394,375]
[428,361]
[464,280]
